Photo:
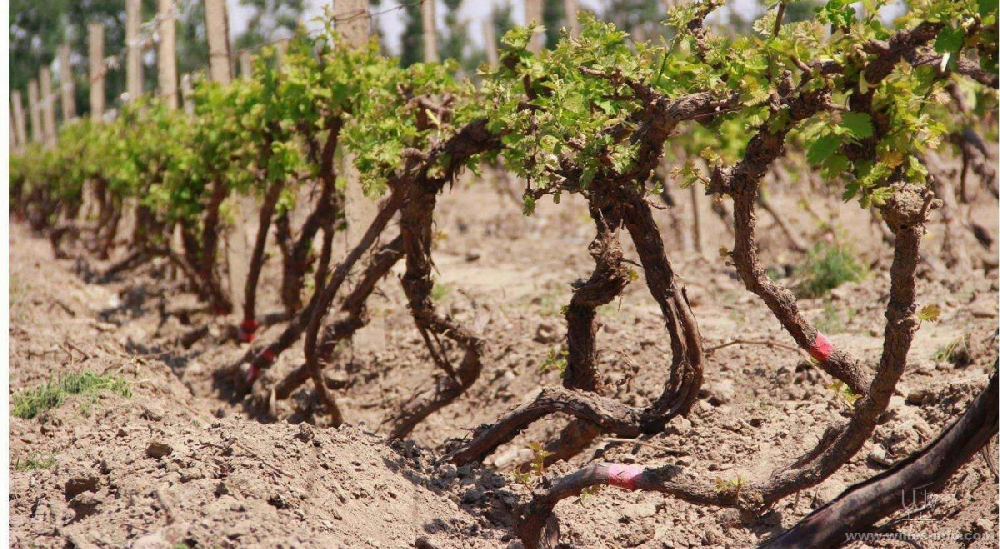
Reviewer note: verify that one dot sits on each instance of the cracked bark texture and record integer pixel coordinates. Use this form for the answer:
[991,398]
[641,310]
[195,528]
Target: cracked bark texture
[416,228]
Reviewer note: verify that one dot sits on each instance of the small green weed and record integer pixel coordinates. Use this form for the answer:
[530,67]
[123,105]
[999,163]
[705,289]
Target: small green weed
[16,290]
[828,265]
[31,402]
[537,468]
[555,360]
[439,292]
[33,462]
[954,352]
[588,493]
[730,486]
[843,392]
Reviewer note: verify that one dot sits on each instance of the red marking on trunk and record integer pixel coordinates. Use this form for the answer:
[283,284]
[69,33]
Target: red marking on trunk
[247,330]
[269,356]
[821,348]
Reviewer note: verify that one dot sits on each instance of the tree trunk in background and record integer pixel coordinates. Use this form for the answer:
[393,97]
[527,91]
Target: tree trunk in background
[246,65]
[359,210]
[696,234]
[187,94]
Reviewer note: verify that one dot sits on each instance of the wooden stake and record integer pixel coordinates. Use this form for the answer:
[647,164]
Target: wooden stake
[217,28]
[20,127]
[188,94]
[37,135]
[491,41]
[279,50]
[533,14]
[246,65]
[48,107]
[67,88]
[696,200]
[353,21]
[353,24]
[95,38]
[133,65]
[572,22]
[427,10]
[166,56]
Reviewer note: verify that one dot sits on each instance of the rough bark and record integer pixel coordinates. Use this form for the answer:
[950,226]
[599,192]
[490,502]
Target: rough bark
[211,282]
[416,227]
[353,309]
[263,357]
[905,213]
[257,258]
[324,298]
[686,370]
[742,182]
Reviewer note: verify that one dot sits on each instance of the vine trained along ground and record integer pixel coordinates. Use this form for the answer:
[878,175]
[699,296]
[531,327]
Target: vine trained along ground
[230,481]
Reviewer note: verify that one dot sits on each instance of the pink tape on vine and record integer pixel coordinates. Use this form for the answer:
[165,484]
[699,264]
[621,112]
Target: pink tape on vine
[624,476]
[247,330]
[821,348]
[268,355]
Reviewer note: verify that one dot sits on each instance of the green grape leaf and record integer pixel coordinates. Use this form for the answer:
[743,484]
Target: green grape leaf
[930,313]
[822,148]
[949,40]
[858,124]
